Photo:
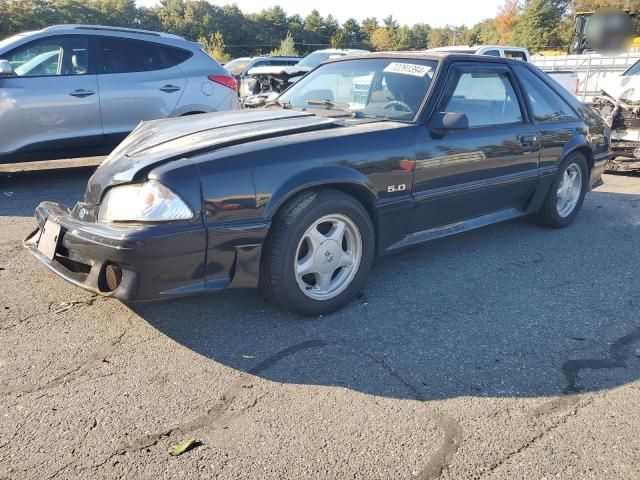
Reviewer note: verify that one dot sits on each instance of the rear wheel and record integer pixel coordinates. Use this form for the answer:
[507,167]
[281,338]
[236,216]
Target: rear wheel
[566,193]
[318,253]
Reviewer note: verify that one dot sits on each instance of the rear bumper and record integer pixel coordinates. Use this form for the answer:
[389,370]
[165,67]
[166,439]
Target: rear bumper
[156,260]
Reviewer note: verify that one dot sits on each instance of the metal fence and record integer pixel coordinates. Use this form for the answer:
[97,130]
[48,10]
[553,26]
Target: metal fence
[591,69]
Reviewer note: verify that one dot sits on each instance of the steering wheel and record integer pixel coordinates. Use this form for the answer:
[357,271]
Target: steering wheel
[398,103]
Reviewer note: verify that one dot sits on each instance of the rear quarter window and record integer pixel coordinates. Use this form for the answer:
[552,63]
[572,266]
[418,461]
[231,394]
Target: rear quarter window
[124,55]
[547,105]
[175,56]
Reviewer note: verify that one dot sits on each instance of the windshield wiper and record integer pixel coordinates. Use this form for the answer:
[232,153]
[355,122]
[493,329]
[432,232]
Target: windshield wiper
[279,103]
[340,106]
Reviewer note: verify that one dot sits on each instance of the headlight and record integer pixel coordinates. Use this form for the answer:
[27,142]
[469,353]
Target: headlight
[146,202]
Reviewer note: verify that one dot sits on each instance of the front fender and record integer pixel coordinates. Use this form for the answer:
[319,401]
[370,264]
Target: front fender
[315,177]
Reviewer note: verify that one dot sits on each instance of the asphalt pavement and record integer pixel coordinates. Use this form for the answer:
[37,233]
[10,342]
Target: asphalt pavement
[511,351]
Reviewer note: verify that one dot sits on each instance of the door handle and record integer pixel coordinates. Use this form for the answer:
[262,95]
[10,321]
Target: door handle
[81,93]
[169,88]
[528,140]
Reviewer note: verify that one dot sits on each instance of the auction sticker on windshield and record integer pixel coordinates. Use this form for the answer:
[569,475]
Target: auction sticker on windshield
[408,69]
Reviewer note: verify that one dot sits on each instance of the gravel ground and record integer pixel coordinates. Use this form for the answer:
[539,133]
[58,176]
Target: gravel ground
[507,352]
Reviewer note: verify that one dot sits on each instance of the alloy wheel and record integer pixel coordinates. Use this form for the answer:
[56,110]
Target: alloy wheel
[328,257]
[569,190]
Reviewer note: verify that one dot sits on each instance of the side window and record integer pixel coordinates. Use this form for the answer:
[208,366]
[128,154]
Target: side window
[121,55]
[515,54]
[51,57]
[547,105]
[175,56]
[487,98]
[492,53]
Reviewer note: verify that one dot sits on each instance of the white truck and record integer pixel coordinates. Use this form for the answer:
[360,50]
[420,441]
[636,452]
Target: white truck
[566,78]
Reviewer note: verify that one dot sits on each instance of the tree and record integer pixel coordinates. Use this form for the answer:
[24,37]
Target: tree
[506,21]
[369,25]
[313,29]
[403,39]
[352,34]
[338,40]
[381,39]
[287,47]
[538,26]
[421,33]
[331,27]
[214,46]
[484,32]
[440,37]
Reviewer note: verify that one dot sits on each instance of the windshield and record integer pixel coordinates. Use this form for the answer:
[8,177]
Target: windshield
[381,87]
[633,70]
[235,67]
[10,40]
[316,58]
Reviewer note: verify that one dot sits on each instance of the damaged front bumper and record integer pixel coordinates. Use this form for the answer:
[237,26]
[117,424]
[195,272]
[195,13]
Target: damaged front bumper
[147,261]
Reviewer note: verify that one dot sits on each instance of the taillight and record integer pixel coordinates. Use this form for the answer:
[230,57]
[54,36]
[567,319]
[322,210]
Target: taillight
[226,80]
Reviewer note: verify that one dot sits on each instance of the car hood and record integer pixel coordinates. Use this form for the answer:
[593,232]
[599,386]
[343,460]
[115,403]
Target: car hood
[279,71]
[156,142]
[622,87]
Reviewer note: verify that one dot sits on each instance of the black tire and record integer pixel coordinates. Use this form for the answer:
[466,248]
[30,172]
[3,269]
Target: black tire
[277,269]
[548,214]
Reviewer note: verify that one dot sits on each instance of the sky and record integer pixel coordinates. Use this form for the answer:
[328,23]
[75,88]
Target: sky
[436,13]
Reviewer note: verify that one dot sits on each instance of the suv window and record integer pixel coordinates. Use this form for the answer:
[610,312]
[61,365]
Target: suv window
[51,56]
[487,98]
[175,56]
[121,55]
[492,53]
[515,54]
[547,105]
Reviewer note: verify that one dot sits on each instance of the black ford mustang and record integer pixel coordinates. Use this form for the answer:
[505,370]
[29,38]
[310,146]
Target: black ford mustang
[363,156]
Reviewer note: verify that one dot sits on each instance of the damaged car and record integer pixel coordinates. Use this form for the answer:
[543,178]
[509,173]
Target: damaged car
[300,197]
[240,67]
[619,104]
[268,81]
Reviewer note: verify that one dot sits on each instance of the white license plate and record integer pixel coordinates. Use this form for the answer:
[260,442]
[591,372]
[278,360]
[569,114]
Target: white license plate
[49,237]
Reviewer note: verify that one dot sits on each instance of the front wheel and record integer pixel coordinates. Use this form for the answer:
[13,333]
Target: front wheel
[566,194]
[318,253]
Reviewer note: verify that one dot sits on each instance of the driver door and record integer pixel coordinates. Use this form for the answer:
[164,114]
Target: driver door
[487,170]
[51,103]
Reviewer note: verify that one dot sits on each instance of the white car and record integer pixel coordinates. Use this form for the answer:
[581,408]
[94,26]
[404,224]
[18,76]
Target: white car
[568,79]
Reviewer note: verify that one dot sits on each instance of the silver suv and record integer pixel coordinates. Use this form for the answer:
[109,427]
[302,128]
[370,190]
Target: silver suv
[76,90]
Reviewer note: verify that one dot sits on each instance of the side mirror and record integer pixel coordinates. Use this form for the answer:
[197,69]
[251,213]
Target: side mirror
[445,121]
[6,70]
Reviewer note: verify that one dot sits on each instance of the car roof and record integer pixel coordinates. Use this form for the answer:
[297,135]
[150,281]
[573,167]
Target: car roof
[427,55]
[121,32]
[341,50]
[276,57]
[459,48]
[106,28]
